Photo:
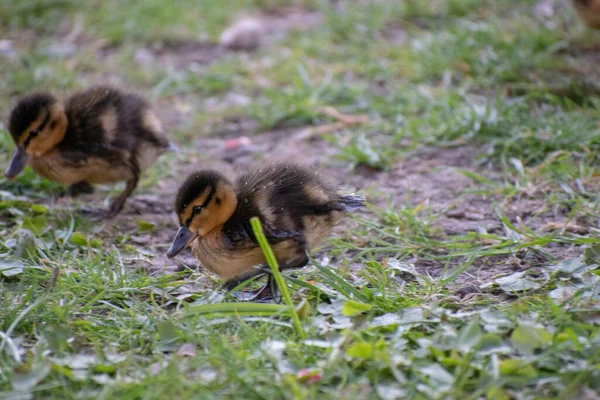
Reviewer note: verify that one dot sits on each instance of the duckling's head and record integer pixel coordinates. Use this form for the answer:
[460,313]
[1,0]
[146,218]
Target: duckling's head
[204,202]
[37,124]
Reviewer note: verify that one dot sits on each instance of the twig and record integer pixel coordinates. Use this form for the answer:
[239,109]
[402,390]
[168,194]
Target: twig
[343,121]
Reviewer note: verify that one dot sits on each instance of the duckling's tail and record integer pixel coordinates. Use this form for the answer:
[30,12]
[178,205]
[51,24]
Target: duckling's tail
[351,202]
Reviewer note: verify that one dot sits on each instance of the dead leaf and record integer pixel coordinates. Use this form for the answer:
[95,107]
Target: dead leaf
[187,350]
[244,34]
[568,227]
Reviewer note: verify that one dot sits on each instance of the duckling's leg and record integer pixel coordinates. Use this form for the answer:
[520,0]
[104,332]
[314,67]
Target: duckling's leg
[119,202]
[270,291]
[254,273]
[252,295]
[80,188]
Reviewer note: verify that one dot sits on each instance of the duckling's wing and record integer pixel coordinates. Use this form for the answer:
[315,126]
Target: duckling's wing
[245,238]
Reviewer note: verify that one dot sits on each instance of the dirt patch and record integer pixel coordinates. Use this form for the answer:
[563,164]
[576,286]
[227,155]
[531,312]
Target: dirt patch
[178,54]
[428,177]
[270,25]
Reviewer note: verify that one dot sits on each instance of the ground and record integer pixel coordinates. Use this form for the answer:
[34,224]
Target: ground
[471,127]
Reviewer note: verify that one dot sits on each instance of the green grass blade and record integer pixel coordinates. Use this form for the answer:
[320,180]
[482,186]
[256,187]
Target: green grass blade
[272,261]
[237,309]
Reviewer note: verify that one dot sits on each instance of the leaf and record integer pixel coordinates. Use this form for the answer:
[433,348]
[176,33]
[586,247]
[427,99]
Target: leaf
[515,367]
[11,268]
[438,374]
[27,380]
[469,337]
[35,224]
[568,267]
[145,226]
[39,208]
[303,310]
[495,321]
[393,263]
[496,393]
[389,319]
[364,350]
[335,307]
[78,239]
[491,343]
[591,255]
[517,283]
[352,308]
[77,361]
[414,314]
[527,338]
[167,331]
[390,392]
[562,293]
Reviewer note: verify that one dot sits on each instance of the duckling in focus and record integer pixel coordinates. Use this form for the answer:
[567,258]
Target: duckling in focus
[99,135]
[295,205]
[589,12]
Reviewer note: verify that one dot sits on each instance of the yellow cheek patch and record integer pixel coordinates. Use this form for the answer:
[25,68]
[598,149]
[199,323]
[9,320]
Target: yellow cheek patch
[50,131]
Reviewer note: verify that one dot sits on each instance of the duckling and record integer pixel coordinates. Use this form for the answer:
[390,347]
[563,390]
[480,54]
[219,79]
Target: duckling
[589,12]
[100,135]
[295,205]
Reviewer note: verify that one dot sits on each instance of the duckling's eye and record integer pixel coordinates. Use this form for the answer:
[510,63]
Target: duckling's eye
[32,135]
[197,209]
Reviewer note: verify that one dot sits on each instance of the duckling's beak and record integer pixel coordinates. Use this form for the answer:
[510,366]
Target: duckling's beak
[18,162]
[183,238]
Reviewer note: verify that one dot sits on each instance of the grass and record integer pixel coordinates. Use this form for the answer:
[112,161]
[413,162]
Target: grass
[472,274]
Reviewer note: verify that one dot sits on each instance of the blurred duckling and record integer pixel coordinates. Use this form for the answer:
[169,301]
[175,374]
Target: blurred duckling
[589,12]
[295,205]
[99,135]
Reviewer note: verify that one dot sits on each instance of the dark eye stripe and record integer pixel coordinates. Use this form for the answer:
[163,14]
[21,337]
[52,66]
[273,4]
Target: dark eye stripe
[204,204]
[44,123]
[209,197]
[33,134]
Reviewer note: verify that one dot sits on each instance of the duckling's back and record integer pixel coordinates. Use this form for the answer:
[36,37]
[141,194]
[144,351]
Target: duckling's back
[110,137]
[290,197]
[107,123]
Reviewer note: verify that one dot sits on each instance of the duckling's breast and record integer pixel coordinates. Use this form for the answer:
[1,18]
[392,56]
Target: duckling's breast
[230,263]
[56,167]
